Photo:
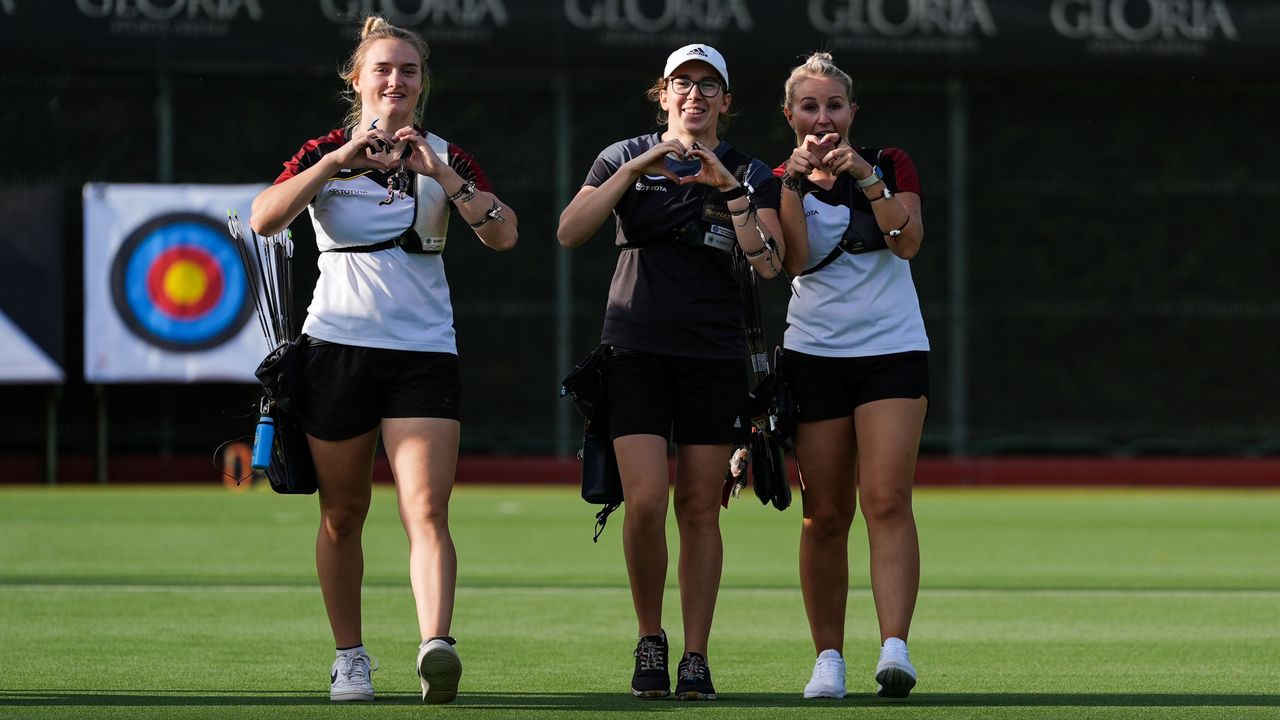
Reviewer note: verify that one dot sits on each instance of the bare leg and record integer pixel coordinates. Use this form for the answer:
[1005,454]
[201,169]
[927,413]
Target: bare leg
[825,453]
[699,482]
[889,438]
[642,463]
[344,471]
[424,456]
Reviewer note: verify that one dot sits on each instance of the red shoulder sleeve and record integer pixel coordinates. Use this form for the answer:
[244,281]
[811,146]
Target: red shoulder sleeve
[310,153]
[467,167]
[904,171]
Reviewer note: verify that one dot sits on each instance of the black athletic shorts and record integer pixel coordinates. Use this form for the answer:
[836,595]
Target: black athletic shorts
[349,389]
[831,387]
[689,400]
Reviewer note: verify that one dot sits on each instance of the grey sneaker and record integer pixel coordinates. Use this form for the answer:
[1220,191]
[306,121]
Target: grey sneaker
[439,670]
[349,677]
[894,673]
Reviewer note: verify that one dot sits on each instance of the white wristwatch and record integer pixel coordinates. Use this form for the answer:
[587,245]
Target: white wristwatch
[876,175]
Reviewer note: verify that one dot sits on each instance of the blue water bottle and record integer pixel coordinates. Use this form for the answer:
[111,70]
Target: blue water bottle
[263,438]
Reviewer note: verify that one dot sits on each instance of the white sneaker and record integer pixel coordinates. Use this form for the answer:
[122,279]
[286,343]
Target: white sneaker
[828,676]
[439,669]
[350,677]
[894,672]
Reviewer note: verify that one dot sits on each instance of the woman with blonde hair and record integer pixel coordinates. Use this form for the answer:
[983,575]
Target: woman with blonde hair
[381,357]
[856,358]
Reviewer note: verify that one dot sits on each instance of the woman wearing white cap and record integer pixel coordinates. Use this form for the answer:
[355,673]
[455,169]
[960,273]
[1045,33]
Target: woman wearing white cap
[684,201]
[856,358]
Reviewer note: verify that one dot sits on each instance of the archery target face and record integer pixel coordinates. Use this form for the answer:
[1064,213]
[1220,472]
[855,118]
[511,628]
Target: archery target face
[178,283]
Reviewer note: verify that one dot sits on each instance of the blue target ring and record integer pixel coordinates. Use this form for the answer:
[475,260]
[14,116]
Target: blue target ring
[177,283]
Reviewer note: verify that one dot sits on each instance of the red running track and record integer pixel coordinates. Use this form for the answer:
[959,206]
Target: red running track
[1216,472]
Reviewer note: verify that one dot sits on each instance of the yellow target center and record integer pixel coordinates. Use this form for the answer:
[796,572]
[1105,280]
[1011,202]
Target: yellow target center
[185,282]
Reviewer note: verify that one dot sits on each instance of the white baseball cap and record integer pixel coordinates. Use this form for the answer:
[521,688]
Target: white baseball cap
[697,51]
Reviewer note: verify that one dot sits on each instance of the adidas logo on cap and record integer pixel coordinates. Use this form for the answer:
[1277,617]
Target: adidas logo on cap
[702,53]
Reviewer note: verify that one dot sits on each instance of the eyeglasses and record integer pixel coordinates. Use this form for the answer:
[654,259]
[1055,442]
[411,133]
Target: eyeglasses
[683,85]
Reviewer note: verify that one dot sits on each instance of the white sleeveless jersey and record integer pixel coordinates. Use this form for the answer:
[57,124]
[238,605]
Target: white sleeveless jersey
[859,305]
[388,298]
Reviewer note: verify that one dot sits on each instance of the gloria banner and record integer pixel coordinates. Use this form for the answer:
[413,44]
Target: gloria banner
[31,279]
[921,37]
[165,295]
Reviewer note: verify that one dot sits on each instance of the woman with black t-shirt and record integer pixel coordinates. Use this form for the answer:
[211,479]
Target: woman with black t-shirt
[684,201]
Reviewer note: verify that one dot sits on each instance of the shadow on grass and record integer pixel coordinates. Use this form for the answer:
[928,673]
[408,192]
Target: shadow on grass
[615,702]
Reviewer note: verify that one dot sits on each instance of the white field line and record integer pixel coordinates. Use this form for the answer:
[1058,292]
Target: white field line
[576,589]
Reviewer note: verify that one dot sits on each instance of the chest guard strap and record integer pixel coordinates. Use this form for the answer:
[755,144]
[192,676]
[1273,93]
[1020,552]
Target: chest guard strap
[409,241]
[863,233]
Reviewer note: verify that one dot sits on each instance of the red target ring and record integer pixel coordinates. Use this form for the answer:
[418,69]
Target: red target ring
[185,282]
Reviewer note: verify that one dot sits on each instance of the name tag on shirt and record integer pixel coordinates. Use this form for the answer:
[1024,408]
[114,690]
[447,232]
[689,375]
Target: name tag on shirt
[720,238]
[432,245]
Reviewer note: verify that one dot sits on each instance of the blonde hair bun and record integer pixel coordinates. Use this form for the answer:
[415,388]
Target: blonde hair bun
[817,65]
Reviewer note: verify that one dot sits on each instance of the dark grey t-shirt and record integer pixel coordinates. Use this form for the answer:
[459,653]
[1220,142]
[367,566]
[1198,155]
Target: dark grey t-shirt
[669,296]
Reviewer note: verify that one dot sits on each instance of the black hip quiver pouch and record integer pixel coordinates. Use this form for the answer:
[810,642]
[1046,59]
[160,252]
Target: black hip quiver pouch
[769,470]
[584,384]
[601,483]
[773,415]
[292,470]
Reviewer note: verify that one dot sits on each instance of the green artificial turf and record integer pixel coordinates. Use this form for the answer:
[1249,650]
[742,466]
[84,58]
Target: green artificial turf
[123,602]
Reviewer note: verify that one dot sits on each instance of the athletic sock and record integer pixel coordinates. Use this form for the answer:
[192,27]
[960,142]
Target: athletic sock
[354,649]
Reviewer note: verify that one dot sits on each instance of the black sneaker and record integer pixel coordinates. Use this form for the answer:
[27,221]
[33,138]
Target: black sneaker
[651,679]
[693,678]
